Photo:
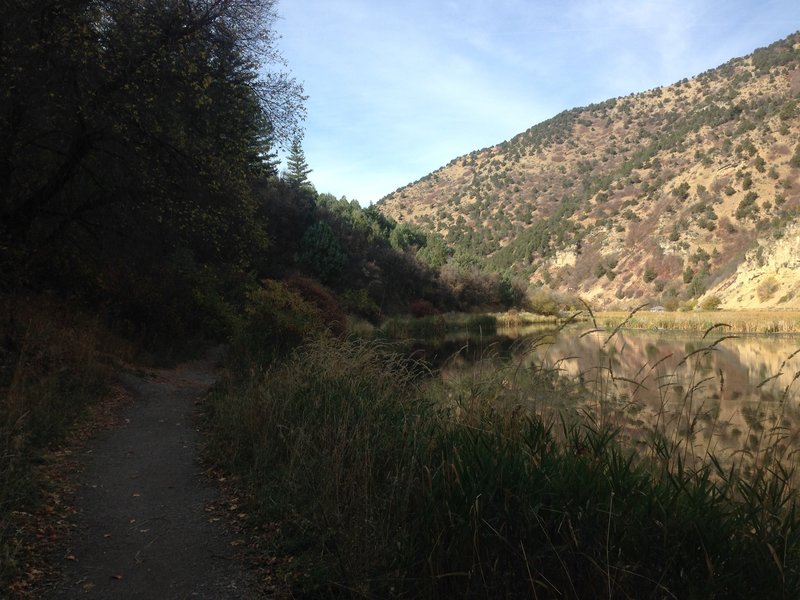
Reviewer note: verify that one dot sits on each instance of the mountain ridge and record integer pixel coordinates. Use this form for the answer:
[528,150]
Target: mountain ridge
[672,196]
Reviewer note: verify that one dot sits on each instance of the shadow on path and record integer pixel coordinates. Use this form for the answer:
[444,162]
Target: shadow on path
[142,528]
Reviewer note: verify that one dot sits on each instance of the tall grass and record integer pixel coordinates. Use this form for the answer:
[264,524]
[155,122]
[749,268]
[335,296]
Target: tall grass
[50,369]
[753,321]
[328,441]
[390,483]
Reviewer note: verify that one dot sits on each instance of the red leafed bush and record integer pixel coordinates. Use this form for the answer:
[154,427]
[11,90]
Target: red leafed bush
[313,292]
[422,308]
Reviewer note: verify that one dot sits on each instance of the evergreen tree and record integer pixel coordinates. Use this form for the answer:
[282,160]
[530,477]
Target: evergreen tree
[297,173]
[132,138]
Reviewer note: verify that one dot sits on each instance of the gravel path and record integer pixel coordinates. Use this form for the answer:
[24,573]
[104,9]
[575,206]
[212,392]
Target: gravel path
[143,529]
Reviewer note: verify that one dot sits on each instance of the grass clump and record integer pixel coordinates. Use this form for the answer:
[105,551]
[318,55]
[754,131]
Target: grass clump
[387,482]
[326,440]
[740,321]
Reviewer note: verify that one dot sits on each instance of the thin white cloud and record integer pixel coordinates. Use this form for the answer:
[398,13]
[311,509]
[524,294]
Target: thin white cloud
[398,89]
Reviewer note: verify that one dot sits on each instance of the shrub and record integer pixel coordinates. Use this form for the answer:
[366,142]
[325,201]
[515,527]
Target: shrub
[681,191]
[748,208]
[276,320]
[360,303]
[544,302]
[472,287]
[649,274]
[670,303]
[767,288]
[323,299]
[710,303]
[422,308]
[321,251]
[795,160]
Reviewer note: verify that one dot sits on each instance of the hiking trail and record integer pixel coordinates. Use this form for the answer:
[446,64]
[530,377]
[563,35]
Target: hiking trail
[143,527]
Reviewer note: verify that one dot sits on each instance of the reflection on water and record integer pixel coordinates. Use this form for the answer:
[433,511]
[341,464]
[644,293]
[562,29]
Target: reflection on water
[720,393]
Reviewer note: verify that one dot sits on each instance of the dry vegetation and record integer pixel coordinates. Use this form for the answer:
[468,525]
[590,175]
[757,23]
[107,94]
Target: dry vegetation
[739,321]
[380,481]
[55,364]
[700,181]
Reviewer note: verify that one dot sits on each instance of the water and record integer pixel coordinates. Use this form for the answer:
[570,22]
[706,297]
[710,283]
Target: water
[719,394]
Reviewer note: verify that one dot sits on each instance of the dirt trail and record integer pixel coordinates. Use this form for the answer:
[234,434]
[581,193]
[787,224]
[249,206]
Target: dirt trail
[143,530]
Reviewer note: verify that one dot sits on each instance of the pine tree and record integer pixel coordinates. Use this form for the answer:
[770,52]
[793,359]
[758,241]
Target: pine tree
[297,173]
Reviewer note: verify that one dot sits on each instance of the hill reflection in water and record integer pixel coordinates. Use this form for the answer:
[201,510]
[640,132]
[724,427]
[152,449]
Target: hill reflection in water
[721,394]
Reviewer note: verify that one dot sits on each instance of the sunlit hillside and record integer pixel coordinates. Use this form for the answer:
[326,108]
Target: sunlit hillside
[681,194]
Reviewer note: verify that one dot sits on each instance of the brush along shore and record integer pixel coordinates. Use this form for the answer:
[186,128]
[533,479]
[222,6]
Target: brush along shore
[739,321]
[509,481]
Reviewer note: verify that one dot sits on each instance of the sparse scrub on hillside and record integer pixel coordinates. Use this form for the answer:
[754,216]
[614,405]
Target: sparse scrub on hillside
[641,168]
[767,289]
[795,160]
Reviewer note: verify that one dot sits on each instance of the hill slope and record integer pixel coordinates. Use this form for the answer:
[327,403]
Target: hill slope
[662,196]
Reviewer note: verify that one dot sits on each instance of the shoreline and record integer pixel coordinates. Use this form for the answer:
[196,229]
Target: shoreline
[764,322]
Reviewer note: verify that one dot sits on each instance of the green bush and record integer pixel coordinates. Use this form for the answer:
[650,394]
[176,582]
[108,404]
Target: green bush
[276,320]
[321,251]
[360,303]
[748,208]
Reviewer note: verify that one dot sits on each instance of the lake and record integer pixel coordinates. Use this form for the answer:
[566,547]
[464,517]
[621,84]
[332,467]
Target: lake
[721,394]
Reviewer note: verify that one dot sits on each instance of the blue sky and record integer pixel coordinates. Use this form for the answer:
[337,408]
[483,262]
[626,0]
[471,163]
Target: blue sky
[398,88]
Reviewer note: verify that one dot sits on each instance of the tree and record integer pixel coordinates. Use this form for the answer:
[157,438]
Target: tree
[108,103]
[297,173]
[406,236]
[435,252]
[321,252]
[131,136]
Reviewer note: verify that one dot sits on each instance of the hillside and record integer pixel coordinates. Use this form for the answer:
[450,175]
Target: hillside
[669,196]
